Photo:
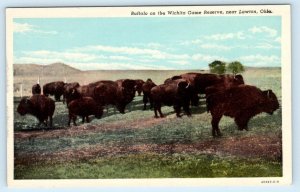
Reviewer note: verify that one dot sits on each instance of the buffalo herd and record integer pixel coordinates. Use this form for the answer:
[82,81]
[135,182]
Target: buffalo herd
[224,94]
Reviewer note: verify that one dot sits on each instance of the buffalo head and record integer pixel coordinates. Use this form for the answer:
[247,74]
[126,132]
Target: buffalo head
[24,106]
[270,102]
[238,80]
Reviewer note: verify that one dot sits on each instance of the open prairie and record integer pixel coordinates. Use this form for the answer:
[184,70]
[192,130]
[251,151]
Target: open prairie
[136,145]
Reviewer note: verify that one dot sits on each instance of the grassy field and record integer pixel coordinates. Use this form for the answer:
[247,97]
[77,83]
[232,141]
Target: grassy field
[136,145]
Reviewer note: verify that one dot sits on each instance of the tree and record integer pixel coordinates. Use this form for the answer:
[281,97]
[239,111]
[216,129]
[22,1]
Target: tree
[217,67]
[235,67]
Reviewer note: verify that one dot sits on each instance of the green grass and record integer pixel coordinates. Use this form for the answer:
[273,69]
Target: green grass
[153,166]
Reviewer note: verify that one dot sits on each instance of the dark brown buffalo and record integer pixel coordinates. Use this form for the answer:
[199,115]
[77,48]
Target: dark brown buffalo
[68,88]
[127,85]
[54,88]
[39,106]
[84,107]
[147,86]
[241,103]
[200,81]
[36,89]
[138,86]
[176,93]
[118,93]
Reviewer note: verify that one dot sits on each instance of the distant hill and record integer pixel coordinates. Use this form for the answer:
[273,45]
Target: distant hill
[55,69]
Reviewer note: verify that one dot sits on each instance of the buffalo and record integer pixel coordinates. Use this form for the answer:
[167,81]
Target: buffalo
[84,107]
[36,89]
[54,88]
[200,81]
[147,86]
[139,86]
[127,87]
[68,88]
[39,106]
[118,93]
[240,102]
[176,93]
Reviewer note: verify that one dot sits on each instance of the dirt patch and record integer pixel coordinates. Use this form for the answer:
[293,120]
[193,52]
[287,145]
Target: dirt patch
[87,128]
[265,147]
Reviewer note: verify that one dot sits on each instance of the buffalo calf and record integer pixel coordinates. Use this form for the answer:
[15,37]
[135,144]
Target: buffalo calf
[84,107]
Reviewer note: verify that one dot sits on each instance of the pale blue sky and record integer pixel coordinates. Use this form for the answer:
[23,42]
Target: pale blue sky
[148,43]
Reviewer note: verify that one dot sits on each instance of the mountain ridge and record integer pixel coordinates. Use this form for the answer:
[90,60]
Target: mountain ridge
[57,69]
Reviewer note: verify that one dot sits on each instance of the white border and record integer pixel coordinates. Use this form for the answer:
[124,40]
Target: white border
[277,10]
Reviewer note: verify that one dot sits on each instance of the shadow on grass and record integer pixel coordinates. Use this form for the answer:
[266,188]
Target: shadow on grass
[263,123]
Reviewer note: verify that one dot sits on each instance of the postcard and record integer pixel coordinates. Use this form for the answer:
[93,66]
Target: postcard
[149,96]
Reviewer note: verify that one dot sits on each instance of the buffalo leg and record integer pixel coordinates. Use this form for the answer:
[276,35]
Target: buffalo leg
[145,101]
[51,120]
[155,111]
[74,120]
[121,108]
[83,119]
[57,97]
[187,110]
[151,102]
[69,122]
[215,125]
[157,108]
[87,119]
[46,122]
[159,111]
[242,122]
[177,109]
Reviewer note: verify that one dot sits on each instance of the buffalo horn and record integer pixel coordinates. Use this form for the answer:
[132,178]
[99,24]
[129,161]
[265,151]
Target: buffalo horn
[187,86]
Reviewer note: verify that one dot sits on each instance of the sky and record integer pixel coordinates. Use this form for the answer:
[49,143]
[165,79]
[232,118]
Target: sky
[158,43]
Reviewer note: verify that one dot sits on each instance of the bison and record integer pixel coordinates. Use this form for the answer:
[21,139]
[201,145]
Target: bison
[68,88]
[127,87]
[147,86]
[84,107]
[105,92]
[176,93]
[139,86]
[39,106]
[36,89]
[200,81]
[54,88]
[241,103]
